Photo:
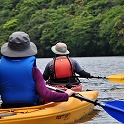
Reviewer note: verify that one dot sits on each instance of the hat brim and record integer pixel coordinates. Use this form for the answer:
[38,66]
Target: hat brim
[6,51]
[59,53]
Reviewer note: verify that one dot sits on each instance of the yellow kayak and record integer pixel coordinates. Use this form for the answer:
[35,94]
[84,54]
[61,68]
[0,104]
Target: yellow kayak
[51,113]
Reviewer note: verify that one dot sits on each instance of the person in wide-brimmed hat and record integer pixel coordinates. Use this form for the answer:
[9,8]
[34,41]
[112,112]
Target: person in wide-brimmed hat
[19,75]
[19,45]
[62,69]
[60,49]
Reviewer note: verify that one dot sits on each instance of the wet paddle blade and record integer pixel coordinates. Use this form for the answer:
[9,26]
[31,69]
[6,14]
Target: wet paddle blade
[115,109]
[117,78]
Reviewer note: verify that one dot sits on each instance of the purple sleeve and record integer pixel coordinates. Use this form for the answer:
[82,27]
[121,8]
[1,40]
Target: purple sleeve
[44,92]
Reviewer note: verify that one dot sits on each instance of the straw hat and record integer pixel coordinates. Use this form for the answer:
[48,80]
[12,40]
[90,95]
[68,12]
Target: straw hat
[60,49]
[19,45]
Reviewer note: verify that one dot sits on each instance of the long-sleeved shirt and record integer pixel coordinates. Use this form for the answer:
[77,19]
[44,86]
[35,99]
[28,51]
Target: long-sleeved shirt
[44,92]
[76,68]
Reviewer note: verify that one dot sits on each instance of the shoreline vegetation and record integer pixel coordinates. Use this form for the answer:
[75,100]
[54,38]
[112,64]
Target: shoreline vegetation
[89,27]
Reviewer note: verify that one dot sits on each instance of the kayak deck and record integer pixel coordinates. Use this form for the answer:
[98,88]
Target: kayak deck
[54,113]
[75,87]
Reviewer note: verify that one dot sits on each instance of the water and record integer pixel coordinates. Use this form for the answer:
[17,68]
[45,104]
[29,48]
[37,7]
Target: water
[98,66]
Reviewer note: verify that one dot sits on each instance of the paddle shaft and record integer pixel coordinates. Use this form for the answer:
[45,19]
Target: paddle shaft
[98,77]
[76,95]
[116,78]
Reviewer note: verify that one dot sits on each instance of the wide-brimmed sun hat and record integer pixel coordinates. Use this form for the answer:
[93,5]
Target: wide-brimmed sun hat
[19,45]
[60,49]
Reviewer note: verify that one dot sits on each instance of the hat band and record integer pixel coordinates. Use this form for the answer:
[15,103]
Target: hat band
[18,46]
[61,50]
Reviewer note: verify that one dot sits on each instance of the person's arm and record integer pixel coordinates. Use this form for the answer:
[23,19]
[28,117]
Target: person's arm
[78,69]
[44,92]
[84,74]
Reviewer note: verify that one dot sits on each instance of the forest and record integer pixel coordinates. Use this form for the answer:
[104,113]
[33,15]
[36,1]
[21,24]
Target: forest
[88,27]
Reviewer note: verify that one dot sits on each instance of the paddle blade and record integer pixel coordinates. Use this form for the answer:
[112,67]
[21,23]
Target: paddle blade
[115,109]
[117,78]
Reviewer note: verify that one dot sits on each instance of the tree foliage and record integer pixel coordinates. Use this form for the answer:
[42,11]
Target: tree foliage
[88,27]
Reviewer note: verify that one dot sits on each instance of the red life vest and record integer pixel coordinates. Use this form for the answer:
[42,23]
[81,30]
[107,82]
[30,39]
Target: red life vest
[62,67]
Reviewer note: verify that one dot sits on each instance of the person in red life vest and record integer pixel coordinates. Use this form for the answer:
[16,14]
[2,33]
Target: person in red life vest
[62,69]
[21,82]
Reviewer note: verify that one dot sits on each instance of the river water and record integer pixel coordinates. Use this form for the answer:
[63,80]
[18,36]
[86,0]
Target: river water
[98,66]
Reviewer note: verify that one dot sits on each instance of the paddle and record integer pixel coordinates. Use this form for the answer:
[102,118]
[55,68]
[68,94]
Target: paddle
[114,108]
[116,78]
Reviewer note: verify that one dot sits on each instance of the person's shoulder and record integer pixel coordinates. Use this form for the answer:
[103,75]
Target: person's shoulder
[73,60]
[49,63]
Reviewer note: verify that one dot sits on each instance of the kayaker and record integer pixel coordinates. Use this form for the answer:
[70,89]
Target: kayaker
[62,68]
[21,82]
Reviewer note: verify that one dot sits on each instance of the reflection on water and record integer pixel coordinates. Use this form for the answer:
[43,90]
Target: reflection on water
[99,66]
[88,117]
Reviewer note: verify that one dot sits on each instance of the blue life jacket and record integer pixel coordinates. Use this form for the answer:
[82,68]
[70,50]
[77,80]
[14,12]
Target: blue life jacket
[16,80]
